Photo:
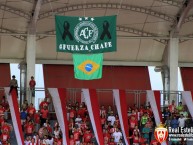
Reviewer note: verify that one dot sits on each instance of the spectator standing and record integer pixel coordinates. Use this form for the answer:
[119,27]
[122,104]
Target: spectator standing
[145,132]
[117,135]
[6,107]
[44,115]
[181,121]
[32,84]
[13,85]
[172,106]
[174,122]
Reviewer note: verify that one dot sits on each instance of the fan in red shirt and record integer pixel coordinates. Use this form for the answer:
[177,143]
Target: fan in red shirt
[5,106]
[103,120]
[4,137]
[135,138]
[31,111]
[112,142]
[142,141]
[6,127]
[103,111]
[2,120]
[77,134]
[2,110]
[72,113]
[32,84]
[37,120]
[117,121]
[72,141]
[58,141]
[44,103]
[106,135]
[44,115]
[132,123]
[81,111]
[29,129]
[83,126]
[87,136]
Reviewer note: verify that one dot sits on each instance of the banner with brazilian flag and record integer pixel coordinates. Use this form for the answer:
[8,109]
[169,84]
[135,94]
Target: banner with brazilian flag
[85,35]
[88,67]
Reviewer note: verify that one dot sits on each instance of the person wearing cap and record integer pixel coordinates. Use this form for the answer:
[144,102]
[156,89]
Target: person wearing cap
[32,85]
[13,84]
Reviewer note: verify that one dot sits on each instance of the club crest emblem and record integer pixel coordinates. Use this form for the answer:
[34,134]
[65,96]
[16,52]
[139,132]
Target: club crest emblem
[161,133]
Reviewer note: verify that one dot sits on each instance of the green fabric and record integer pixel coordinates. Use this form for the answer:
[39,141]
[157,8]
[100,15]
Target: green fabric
[88,67]
[185,114]
[179,108]
[144,120]
[85,34]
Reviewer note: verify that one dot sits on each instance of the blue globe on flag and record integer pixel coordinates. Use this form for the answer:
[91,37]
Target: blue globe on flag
[88,67]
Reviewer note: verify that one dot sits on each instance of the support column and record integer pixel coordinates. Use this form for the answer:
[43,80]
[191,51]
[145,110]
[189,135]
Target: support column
[23,86]
[171,61]
[30,60]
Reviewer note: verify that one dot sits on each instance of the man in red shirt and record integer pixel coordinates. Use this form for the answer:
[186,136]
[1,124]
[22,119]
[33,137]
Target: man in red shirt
[81,111]
[58,141]
[106,135]
[32,84]
[37,121]
[6,127]
[87,136]
[44,115]
[4,137]
[2,110]
[172,106]
[6,107]
[31,111]
[72,113]
[44,103]
[77,134]
[112,142]
[72,141]
[29,129]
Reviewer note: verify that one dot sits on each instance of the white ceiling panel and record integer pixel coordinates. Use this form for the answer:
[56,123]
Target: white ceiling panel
[142,20]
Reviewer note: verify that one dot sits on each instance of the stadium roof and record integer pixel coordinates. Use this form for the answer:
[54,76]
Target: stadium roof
[144,28]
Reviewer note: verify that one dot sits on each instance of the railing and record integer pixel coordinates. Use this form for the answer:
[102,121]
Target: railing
[73,94]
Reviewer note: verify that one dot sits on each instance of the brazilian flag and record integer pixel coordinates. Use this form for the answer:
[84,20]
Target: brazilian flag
[88,67]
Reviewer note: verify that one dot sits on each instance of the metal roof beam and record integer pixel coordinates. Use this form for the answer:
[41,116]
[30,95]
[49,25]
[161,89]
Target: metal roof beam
[36,11]
[43,2]
[122,29]
[141,33]
[13,33]
[187,6]
[109,6]
[15,11]
[171,2]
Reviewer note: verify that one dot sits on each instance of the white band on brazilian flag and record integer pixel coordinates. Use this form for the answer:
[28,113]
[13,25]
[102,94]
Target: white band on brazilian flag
[120,102]
[15,115]
[91,100]
[59,102]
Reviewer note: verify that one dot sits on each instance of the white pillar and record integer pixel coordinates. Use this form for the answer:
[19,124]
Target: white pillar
[173,52]
[30,60]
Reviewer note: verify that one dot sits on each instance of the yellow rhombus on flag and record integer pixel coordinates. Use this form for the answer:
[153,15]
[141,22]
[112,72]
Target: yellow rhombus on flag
[88,67]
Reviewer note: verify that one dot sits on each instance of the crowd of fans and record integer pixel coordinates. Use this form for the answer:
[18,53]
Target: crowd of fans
[39,130]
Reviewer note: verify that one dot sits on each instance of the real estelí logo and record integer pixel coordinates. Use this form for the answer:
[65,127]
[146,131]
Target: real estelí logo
[161,133]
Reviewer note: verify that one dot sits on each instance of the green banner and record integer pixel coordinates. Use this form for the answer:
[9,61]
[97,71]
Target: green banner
[86,34]
[88,67]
